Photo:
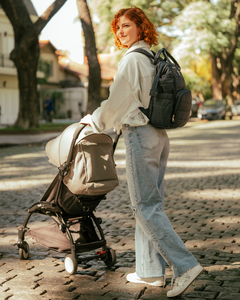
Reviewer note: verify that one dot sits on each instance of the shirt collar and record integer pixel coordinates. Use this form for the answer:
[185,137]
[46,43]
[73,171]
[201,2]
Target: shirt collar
[139,44]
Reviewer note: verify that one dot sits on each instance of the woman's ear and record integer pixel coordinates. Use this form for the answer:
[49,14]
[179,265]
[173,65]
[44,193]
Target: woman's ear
[141,30]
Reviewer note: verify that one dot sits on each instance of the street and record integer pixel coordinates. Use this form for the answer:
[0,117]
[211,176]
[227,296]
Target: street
[202,200]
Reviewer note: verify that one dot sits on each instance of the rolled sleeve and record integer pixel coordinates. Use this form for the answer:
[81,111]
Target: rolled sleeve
[123,99]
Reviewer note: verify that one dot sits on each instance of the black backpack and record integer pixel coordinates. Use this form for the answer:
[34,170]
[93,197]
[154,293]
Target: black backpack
[170,101]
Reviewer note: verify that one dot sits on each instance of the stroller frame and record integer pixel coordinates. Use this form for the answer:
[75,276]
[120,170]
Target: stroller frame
[64,223]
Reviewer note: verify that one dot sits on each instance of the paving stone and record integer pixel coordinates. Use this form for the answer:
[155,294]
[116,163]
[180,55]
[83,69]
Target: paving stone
[222,289]
[93,297]
[200,295]
[61,295]
[111,277]
[27,297]
[201,199]
[228,278]
[229,296]
[122,294]
[231,283]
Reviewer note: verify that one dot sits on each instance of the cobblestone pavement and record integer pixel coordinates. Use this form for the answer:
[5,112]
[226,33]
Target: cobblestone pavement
[202,194]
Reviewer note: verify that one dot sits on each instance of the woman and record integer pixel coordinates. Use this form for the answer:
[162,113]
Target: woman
[147,150]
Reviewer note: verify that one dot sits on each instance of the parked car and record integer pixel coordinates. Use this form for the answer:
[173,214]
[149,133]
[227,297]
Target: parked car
[213,109]
[236,108]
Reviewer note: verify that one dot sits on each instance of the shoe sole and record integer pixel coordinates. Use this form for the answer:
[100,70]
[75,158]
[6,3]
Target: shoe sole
[188,285]
[148,283]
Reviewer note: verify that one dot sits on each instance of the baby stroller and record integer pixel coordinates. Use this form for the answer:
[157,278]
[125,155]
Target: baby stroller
[73,195]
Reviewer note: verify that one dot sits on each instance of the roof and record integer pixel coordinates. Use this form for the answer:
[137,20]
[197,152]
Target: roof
[107,72]
[43,43]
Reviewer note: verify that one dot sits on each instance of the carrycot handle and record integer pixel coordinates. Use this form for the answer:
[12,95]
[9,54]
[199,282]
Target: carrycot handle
[75,136]
[117,136]
[65,166]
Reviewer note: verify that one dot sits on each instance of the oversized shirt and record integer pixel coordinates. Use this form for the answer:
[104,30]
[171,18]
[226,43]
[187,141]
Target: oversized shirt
[129,91]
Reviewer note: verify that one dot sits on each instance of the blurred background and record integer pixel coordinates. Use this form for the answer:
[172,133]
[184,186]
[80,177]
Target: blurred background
[203,36]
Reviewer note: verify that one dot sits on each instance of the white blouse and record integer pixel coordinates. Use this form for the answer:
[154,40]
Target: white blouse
[129,91]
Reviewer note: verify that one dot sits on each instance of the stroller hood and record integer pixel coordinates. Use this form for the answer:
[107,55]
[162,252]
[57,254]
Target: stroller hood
[92,169]
[57,149]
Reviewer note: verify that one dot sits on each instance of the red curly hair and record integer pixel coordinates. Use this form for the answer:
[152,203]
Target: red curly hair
[147,31]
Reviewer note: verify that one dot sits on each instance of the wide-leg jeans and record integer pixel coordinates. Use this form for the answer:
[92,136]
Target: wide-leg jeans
[156,242]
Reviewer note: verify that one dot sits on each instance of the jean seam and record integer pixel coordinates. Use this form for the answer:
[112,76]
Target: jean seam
[142,218]
[160,250]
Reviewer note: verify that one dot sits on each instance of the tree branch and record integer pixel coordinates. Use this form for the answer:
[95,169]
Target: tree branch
[232,12]
[235,13]
[18,15]
[47,15]
[30,36]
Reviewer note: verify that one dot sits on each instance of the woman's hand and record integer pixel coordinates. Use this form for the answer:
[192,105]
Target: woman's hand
[85,120]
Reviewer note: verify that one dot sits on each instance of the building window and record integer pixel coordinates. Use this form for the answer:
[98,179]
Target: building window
[46,66]
[50,68]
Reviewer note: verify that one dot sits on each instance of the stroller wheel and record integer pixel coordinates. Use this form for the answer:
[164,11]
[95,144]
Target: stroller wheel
[71,264]
[24,253]
[111,260]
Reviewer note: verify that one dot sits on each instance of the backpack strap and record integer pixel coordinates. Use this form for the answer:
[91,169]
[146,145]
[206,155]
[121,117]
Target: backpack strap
[156,58]
[156,79]
[166,55]
[145,52]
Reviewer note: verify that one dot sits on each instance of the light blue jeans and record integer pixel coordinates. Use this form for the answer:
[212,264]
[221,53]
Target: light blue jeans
[156,242]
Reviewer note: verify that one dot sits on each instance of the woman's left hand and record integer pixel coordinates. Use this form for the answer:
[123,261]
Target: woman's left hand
[86,119]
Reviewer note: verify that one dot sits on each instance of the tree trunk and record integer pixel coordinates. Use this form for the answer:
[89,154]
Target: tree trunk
[26,54]
[94,79]
[222,82]
[26,64]
[216,82]
[222,66]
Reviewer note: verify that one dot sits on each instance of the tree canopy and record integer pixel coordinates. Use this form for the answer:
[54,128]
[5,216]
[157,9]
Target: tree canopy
[160,12]
[206,32]
[212,31]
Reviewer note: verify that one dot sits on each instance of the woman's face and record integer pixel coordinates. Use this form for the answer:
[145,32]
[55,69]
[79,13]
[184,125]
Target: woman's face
[127,31]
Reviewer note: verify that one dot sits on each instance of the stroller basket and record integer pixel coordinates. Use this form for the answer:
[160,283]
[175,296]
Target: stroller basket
[71,204]
[75,229]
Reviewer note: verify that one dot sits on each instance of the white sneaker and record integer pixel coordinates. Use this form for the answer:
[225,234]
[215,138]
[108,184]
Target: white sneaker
[182,283]
[155,281]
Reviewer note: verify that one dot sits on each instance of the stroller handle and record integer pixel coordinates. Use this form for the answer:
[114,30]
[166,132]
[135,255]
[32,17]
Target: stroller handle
[65,166]
[116,141]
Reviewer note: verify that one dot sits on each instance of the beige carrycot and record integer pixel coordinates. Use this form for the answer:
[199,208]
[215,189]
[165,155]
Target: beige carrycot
[92,170]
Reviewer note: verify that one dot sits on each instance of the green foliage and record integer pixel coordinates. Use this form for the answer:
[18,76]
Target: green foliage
[45,67]
[236,65]
[198,84]
[160,12]
[206,28]
[187,28]
[44,127]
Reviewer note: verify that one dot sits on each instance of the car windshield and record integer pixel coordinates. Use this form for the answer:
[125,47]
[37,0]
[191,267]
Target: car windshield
[212,102]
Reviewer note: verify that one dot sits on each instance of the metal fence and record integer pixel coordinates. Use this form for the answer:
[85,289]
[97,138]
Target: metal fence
[5,61]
